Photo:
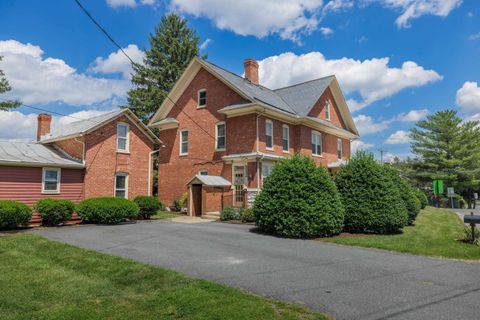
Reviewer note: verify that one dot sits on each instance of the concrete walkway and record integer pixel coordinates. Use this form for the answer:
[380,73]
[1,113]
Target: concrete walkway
[346,282]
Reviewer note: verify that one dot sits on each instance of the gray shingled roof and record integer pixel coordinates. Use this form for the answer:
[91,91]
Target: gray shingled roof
[82,126]
[297,99]
[31,153]
[212,181]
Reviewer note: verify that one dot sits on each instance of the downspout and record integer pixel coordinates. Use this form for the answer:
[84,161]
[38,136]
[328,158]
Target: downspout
[257,149]
[150,182]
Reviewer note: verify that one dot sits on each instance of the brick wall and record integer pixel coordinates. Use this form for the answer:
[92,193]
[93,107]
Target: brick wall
[103,161]
[73,147]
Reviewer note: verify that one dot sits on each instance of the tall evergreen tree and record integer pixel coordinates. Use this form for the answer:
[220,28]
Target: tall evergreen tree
[5,87]
[172,46]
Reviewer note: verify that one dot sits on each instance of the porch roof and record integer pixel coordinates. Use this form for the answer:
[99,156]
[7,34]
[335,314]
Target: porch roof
[211,181]
[252,155]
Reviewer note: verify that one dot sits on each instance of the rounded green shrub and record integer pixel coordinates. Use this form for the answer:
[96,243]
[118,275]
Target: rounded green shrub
[54,211]
[14,214]
[407,193]
[246,215]
[422,197]
[229,214]
[371,199]
[148,206]
[107,210]
[299,200]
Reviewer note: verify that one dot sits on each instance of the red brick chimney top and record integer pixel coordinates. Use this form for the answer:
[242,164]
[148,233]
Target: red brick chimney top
[44,124]
[251,70]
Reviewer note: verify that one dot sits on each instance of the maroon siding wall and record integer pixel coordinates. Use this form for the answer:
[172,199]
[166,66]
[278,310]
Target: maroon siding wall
[24,184]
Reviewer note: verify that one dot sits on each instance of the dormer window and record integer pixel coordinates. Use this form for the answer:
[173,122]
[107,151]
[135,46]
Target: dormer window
[122,137]
[202,98]
[327,110]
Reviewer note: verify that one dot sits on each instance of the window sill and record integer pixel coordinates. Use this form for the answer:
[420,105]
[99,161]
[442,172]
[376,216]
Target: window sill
[317,155]
[201,107]
[286,151]
[183,154]
[50,192]
[269,149]
[123,151]
[220,150]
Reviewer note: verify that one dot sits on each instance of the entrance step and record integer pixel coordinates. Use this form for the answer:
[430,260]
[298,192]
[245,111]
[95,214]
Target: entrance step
[211,215]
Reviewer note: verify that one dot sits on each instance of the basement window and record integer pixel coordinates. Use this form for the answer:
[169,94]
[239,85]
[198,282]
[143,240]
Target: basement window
[51,180]
[121,185]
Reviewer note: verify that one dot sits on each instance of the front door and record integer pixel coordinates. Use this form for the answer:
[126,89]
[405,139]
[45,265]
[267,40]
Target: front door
[239,185]
[197,200]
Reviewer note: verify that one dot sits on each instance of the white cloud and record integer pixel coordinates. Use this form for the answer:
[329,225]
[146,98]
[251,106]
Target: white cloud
[373,79]
[326,31]
[116,62]
[366,125]
[39,80]
[412,9]
[468,97]
[205,44]
[18,126]
[398,137]
[287,18]
[360,145]
[337,5]
[474,37]
[412,115]
[129,3]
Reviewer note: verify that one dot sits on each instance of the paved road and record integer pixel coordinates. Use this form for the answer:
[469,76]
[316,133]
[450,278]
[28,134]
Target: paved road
[462,212]
[348,283]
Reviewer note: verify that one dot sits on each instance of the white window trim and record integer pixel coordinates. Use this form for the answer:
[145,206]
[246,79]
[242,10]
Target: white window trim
[271,123]
[288,138]
[328,110]
[340,148]
[198,99]
[59,179]
[321,143]
[216,136]
[127,144]
[123,174]
[180,143]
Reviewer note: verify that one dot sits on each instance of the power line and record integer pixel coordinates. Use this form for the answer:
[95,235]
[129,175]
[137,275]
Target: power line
[128,57]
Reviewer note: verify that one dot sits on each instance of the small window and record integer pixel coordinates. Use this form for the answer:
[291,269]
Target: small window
[339,148]
[202,98]
[183,142]
[327,110]
[285,138]
[51,180]
[316,143]
[121,185]
[266,169]
[122,137]
[269,134]
[220,134]
[203,172]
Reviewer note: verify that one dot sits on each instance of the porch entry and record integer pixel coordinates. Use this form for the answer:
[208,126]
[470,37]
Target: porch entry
[239,186]
[197,200]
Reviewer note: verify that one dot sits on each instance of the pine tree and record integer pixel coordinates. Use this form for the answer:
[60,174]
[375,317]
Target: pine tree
[5,87]
[172,46]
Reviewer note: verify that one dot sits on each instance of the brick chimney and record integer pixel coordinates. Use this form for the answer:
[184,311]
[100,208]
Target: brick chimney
[43,127]
[251,70]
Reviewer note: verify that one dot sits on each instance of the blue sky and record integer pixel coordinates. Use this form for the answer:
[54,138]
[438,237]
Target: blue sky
[396,60]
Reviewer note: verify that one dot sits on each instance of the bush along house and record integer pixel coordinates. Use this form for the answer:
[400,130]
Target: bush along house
[223,133]
[109,155]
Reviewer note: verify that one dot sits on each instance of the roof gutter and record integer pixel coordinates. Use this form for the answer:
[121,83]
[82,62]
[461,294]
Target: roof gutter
[40,164]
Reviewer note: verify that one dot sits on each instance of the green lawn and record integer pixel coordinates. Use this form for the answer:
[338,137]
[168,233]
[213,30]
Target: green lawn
[165,215]
[41,279]
[436,233]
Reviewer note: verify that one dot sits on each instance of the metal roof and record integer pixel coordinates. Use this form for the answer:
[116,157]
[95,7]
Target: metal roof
[34,154]
[211,181]
[256,155]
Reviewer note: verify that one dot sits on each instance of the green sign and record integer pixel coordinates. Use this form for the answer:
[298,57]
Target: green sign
[437,186]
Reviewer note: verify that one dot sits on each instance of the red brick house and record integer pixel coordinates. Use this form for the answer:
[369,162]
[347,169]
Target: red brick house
[223,133]
[109,155]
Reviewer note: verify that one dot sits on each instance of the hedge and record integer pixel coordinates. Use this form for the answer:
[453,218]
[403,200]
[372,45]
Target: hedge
[54,211]
[148,206]
[422,197]
[299,200]
[228,214]
[371,199]
[14,214]
[107,210]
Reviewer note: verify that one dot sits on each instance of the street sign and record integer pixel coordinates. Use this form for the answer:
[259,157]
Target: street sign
[450,192]
[437,186]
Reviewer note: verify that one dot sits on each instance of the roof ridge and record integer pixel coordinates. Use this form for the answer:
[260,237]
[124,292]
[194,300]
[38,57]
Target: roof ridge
[302,83]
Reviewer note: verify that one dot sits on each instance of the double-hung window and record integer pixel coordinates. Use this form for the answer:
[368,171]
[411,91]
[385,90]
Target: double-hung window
[339,148]
[269,134]
[327,110]
[122,137]
[183,142]
[285,138]
[220,139]
[121,185]
[266,169]
[202,98]
[51,180]
[316,143]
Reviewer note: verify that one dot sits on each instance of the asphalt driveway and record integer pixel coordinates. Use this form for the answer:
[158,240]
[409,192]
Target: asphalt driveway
[348,283]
